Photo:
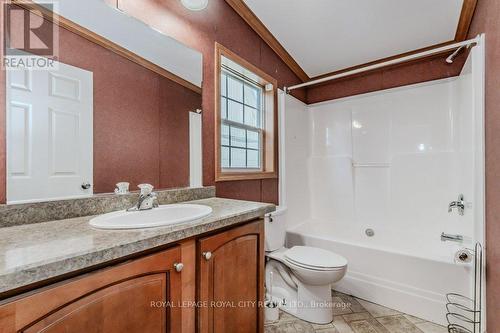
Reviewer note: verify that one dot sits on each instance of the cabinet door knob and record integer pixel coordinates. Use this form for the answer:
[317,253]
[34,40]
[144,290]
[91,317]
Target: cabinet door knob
[207,255]
[178,266]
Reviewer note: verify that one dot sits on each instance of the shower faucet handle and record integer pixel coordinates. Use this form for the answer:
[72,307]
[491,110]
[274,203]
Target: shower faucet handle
[459,205]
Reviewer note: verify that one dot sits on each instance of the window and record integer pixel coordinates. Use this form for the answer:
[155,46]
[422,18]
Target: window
[241,130]
[245,120]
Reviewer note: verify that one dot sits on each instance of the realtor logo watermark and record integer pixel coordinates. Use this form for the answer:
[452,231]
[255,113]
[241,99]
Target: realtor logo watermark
[31,35]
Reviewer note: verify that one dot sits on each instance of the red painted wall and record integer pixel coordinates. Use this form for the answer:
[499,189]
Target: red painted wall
[140,120]
[174,132]
[126,116]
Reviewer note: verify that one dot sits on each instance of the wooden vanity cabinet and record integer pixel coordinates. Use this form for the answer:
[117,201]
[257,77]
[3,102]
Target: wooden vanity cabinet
[150,295]
[129,297]
[231,280]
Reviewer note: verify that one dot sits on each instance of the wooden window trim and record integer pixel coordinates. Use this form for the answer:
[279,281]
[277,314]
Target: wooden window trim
[270,138]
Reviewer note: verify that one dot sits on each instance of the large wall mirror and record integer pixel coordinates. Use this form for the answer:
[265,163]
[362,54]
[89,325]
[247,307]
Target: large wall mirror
[117,102]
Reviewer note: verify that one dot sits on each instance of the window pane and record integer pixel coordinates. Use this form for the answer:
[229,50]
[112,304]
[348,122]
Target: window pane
[253,159]
[235,89]
[225,135]
[241,121]
[238,138]
[223,108]
[235,112]
[238,158]
[223,84]
[252,117]
[252,96]
[224,156]
[253,140]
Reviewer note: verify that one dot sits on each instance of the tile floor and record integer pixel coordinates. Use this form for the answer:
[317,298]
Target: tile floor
[353,315]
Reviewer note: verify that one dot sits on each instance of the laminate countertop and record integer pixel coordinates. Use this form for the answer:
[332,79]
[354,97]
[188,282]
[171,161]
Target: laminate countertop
[36,252]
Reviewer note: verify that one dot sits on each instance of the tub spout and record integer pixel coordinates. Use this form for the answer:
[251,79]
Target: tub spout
[452,238]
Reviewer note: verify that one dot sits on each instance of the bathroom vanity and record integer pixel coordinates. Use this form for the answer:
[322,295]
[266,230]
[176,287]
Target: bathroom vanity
[201,276]
[78,255]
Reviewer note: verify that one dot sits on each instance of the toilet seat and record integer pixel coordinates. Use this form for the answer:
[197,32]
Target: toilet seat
[313,258]
[292,265]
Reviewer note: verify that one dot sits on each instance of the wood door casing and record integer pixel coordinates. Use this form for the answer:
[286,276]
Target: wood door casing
[115,299]
[231,282]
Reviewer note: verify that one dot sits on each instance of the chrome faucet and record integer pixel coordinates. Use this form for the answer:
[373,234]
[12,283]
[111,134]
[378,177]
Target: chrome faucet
[459,205]
[452,238]
[147,199]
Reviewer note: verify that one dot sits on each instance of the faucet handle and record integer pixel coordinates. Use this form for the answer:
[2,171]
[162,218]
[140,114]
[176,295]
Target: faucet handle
[459,205]
[146,189]
[450,207]
[155,199]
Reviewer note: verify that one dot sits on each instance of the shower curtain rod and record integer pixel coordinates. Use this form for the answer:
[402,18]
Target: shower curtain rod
[472,42]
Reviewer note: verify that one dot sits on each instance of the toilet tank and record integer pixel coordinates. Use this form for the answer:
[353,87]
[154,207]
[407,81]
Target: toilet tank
[275,229]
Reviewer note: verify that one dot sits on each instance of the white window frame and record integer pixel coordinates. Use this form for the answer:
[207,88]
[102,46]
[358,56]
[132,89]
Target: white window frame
[230,123]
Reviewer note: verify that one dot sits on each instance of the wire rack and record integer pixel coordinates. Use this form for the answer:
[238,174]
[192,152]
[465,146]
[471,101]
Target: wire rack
[464,313]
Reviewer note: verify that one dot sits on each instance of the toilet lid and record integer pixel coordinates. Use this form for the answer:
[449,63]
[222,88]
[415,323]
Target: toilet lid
[314,257]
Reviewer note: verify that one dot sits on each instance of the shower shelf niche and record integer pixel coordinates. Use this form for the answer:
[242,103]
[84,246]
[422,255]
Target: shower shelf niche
[371,165]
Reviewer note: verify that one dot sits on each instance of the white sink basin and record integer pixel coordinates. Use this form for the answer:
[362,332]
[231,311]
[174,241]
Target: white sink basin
[157,217]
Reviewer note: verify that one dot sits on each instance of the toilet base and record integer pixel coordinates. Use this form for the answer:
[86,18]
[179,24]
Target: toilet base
[309,303]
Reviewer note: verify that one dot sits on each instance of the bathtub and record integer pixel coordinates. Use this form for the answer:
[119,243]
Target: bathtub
[409,272]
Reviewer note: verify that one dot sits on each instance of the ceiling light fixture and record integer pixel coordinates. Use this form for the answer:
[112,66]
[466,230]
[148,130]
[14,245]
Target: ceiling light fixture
[195,4]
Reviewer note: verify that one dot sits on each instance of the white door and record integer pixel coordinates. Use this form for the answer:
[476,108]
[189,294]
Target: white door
[49,134]
[195,150]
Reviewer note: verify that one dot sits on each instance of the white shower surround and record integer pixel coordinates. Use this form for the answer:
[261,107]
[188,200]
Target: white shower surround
[391,161]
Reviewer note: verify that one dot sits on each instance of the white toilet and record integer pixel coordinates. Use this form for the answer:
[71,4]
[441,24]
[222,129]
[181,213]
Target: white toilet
[301,276]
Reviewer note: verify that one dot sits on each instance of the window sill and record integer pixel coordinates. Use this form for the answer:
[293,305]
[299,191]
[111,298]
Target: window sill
[232,176]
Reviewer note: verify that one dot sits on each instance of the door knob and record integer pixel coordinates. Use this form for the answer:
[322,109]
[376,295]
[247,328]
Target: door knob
[207,255]
[178,266]
[86,186]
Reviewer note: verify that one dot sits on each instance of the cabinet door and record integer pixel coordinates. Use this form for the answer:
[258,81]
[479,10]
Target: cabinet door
[130,297]
[231,281]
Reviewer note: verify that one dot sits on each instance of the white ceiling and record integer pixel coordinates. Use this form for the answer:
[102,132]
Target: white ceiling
[329,35]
